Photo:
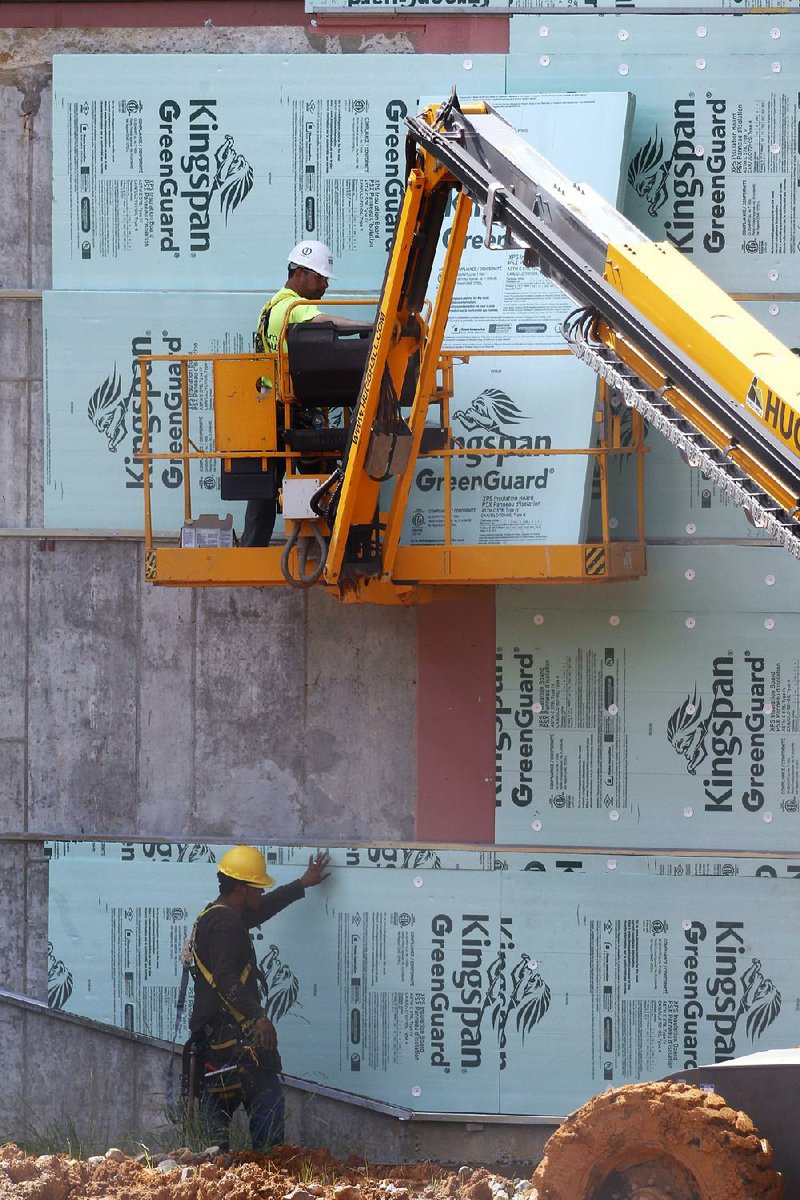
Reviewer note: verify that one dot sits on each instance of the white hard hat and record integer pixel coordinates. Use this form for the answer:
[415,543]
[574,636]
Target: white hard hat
[316,256]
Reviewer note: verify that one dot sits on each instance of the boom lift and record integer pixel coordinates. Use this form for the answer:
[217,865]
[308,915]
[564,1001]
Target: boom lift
[667,343]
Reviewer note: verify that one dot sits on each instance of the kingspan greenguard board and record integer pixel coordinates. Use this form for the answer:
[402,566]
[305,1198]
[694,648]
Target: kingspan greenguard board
[713,163]
[202,171]
[93,402]
[449,984]
[92,389]
[657,714]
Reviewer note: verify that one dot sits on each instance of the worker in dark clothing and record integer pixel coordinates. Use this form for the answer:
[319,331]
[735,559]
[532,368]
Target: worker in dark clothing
[232,1056]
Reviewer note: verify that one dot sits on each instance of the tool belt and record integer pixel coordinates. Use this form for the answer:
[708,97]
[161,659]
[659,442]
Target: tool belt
[222,1061]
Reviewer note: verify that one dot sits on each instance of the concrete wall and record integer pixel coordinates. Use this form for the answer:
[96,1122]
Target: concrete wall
[121,1079]
[123,709]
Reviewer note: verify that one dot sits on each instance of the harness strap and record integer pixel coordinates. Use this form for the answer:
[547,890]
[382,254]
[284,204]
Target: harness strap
[261,328]
[239,1017]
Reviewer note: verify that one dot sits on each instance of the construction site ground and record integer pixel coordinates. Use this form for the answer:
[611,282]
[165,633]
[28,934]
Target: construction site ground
[288,1173]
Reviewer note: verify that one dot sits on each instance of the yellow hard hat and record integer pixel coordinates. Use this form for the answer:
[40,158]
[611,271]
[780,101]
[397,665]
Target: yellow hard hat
[246,864]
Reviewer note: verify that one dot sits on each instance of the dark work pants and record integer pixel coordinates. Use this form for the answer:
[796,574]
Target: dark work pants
[264,1103]
[259,522]
[259,517]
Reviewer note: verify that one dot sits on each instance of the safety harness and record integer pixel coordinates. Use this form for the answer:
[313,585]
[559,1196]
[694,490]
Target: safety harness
[245,1022]
[260,336]
[231,1051]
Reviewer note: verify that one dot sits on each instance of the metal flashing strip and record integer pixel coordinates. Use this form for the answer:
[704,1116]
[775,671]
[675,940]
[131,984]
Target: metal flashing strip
[477,848]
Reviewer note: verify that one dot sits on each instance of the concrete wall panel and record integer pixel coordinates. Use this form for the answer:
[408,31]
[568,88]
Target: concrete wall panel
[12,916]
[248,749]
[15,227]
[96,1069]
[12,1036]
[360,744]
[166,710]
[82,710]
[13,330]
[35,514]
[13,641]
[14,439]
[12,785]
[41,168]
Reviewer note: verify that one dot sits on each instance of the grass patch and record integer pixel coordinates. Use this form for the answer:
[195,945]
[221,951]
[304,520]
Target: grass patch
[191,1126]
[56,1135]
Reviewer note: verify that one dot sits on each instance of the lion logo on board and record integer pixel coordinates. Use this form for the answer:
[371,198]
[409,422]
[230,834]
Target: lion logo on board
[522,993]
[648,172]
[233,179]
[760,1002]
[282,986]
[687,731]
[108,409]
[491,410]
[59,980]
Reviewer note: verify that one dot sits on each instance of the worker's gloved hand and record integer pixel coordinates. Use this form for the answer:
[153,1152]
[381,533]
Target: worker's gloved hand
[316,870]
[264,1034]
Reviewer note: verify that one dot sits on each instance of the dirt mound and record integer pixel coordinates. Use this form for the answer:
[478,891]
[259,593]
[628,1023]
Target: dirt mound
[289,1173]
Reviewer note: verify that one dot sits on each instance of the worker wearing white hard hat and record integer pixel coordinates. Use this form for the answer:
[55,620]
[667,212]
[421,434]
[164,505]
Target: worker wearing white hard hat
[315,256]
[310,269]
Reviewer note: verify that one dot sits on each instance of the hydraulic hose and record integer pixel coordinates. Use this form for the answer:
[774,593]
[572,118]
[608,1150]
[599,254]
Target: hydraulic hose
[304,579]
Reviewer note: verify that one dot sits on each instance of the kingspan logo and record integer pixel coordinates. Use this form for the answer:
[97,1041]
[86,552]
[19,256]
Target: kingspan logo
[115,410]
[648,172]
[233,178]
[59,980]
[659,172]
[493,410]
[280,986]
[200,171]
[109,409]
[734,1001]
[727,736]
[687,730]
[518,994]
[507,995]
[490,423]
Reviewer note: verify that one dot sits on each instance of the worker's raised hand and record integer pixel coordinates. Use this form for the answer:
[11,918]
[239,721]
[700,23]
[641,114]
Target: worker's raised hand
[316,871]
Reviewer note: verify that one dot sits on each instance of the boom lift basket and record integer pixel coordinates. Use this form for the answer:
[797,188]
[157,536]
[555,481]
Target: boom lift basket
[354,411]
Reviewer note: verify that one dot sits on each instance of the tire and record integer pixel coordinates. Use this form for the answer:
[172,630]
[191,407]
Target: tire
[657,1141]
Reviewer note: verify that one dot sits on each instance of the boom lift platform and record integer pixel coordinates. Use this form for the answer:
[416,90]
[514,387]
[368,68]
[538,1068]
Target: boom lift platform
[666,342]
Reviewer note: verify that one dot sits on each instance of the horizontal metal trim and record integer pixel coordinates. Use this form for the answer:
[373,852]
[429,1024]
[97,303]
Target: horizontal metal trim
[23,837]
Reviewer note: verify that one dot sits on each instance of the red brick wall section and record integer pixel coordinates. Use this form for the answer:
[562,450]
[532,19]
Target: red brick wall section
[440,33]
[456,645]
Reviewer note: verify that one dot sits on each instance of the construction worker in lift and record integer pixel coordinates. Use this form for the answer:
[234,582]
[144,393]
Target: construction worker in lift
[232,1055]
[310,271]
